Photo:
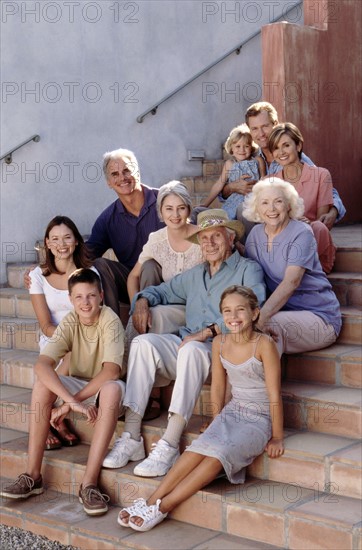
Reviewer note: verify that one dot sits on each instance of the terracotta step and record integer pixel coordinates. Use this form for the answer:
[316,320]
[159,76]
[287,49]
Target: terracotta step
[307,460]
[307,406]
[15,302]
[347,287]
[262,510]
[18,320]
[19,333]
[311,406]
[199,188]
[212,167]
[16,270]
[348,260]
[338,365]
[38,515]
[16,367]
[348,240]
[351,332]
[319,408]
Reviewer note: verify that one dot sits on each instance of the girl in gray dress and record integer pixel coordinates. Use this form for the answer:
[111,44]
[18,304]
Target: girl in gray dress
[251,422]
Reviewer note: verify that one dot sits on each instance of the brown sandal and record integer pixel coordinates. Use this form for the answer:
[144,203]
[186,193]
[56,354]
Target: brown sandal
[64,440]
[55,445]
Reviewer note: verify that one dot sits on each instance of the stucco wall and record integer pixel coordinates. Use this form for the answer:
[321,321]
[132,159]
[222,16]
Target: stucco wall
[79,73]
[316,71]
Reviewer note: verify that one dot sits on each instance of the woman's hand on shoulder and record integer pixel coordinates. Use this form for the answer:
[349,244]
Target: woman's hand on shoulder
[275,447]
[27,278]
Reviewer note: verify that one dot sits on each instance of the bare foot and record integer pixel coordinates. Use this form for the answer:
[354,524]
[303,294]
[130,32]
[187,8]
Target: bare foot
[124,516]
[52,442]
[65,433]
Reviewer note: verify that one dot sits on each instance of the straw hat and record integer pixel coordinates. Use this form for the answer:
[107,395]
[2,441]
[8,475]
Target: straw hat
[216,217]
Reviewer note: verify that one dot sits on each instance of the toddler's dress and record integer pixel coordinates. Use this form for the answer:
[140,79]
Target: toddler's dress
[244,168]
[242,430]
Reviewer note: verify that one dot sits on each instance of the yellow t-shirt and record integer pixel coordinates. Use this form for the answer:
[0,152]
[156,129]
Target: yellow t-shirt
[91,345]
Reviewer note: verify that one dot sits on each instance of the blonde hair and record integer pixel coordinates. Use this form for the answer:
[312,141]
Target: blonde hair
[241,131]
[295,202]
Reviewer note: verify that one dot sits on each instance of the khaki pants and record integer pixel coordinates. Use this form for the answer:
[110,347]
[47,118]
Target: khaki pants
[299,331]
[156,360]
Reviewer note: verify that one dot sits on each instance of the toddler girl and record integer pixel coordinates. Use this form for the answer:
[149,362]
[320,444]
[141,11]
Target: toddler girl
[240,146]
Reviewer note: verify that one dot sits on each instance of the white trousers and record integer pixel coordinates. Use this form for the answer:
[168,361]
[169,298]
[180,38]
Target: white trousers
[156,360]
[299,331]
[165,320]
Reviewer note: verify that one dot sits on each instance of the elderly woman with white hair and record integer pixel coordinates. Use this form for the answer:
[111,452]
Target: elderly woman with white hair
[302,311]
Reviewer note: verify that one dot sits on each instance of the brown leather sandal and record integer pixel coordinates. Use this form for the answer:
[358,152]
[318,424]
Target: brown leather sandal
[64,441]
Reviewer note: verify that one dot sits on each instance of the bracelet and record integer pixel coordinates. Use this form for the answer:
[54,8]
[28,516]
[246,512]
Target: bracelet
[211,326]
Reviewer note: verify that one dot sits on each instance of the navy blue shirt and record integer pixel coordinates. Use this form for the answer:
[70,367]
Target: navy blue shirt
[119,229]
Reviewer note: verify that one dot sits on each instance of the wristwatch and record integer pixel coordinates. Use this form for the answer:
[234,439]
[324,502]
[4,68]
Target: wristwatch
[212,328]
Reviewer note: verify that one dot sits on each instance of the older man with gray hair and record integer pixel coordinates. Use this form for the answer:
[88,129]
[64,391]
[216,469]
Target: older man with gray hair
[157,359]
[124,225]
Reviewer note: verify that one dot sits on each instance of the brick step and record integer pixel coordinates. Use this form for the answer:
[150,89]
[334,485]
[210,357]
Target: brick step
[16,271]
[348,240]
[338,365]
[22,333]
[348,260]
[311,406]
[282,514]
[212,167]
[19,333]
[347,287]
[310,459]
[16,367]
[351,331]
[307,405]
[61,518]
[15,302]
[199,188]
[319,408]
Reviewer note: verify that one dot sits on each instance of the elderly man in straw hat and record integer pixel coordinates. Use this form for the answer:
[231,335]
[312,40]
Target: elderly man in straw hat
[157,359]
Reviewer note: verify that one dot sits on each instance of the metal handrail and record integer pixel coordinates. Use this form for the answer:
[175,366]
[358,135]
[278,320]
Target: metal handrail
[9,155]
[236,49]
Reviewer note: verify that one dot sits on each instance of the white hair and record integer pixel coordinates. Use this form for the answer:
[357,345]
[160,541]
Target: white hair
[295,202]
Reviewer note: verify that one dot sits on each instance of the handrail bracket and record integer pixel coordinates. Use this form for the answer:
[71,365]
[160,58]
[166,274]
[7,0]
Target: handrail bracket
[8,157]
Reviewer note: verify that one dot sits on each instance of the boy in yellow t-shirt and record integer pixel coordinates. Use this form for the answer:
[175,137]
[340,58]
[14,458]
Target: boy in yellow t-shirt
[94,334]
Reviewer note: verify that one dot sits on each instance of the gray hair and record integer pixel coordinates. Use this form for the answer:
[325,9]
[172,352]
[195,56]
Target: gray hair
[295,202]
[127,156]
[173,187]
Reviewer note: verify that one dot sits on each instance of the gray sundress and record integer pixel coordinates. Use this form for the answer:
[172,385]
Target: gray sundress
[243,428]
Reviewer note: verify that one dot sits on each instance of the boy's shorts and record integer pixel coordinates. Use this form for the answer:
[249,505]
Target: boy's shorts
[74,385]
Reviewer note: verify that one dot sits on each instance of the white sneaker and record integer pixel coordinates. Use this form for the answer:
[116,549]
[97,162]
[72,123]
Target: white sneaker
[124,449]
[159,461]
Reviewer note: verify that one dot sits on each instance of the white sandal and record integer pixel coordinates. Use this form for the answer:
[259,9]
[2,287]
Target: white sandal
[151,516]
[138,505]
